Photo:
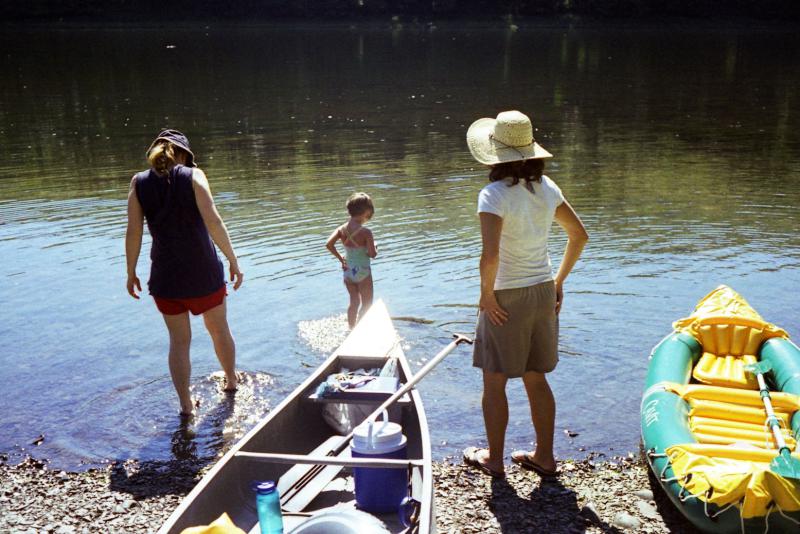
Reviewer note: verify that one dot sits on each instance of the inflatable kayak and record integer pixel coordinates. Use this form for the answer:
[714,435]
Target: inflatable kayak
[705,426]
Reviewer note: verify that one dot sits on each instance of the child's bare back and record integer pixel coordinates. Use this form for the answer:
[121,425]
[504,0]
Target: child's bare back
[360,248]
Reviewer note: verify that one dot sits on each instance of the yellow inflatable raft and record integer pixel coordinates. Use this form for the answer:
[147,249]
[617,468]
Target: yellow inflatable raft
[704,421]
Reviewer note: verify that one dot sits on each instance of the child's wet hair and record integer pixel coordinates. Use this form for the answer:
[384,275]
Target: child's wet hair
[358,204]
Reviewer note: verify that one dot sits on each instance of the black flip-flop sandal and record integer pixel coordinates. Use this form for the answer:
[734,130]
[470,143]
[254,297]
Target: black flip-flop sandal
[471,459]
[522,459]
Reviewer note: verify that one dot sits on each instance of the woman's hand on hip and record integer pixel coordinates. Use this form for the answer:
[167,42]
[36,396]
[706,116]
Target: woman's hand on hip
[488,305]
[559,296]
[237,276]
[133,284]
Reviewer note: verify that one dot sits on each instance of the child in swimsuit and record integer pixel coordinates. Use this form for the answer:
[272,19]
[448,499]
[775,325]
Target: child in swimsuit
[359,247]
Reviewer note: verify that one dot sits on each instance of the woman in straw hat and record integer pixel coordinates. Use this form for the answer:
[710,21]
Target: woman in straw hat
[185,275]
[517,331]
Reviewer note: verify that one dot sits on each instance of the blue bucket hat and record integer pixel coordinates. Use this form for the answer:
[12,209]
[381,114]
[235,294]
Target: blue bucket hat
[176,138]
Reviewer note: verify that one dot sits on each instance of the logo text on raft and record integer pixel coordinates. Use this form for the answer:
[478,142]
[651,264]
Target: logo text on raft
[651,412]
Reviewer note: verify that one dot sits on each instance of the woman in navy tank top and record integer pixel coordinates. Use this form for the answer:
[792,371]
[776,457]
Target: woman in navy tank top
[186,274]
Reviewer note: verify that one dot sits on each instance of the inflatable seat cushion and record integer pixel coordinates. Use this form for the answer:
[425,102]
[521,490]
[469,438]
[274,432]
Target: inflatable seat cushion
[725,370]
[727,348]
[727,339]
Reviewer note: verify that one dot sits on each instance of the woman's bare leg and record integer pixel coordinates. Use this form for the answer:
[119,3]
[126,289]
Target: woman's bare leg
[365,291]
[180,366]
[543,414]
[495,417]
[355,301]
[216,320]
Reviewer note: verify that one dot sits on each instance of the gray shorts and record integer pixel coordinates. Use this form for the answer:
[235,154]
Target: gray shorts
[528,341]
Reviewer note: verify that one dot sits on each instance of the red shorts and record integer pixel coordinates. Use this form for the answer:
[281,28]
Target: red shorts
[196,305]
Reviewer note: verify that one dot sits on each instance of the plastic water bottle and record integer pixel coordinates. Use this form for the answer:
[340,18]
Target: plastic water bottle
[268,505]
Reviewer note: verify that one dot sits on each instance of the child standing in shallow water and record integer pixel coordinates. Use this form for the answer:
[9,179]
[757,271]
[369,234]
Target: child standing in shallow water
[359,247]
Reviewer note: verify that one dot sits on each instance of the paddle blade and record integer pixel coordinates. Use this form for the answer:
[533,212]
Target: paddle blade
[785,465]
[758,368]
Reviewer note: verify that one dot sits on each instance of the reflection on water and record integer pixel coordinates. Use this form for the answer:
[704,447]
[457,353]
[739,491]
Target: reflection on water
[679,147]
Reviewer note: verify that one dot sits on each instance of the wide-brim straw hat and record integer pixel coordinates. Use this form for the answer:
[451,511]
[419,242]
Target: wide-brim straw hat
[509,137]
[176,138]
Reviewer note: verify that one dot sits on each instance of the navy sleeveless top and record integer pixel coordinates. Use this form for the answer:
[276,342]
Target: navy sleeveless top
[184,261]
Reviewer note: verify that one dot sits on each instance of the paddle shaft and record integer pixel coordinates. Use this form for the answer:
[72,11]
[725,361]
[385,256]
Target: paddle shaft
[308,477]
[774,426]
[407,387]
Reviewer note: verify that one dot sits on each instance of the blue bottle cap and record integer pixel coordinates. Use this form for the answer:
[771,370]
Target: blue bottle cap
[265,487]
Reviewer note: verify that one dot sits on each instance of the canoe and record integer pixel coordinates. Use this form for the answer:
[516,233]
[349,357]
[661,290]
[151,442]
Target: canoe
[293,445]
[703,419]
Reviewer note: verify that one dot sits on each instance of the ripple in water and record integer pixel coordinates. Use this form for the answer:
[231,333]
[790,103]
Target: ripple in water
[149,428]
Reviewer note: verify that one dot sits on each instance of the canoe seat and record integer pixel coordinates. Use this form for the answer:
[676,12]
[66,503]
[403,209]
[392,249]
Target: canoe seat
[727,348]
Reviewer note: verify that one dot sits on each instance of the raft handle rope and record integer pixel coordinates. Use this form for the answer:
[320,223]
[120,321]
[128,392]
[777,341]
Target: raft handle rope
[664,472]
[793,520]
[722,510]
[766,516]
[683,497]
[653,454]
[773,506]
[667,465]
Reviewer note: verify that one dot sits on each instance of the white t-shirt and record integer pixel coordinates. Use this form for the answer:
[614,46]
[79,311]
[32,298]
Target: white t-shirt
[527,217]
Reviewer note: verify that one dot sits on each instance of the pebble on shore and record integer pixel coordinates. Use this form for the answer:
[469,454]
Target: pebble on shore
[612,496]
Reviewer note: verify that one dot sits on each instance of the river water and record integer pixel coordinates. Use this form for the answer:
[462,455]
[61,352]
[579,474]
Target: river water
[678,146]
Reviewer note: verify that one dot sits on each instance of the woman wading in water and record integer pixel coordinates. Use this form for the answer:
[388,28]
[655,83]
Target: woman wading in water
[185,275]
[517,332]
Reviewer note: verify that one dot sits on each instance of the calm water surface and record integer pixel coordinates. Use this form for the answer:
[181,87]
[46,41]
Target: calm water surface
[679,148]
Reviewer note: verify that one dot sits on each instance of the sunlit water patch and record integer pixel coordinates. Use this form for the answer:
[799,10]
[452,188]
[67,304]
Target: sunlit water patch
[324,335]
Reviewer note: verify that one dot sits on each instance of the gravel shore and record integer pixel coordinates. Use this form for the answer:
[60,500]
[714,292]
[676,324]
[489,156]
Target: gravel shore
[613,495]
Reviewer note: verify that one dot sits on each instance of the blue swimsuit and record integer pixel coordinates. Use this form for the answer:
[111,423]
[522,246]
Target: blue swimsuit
[358,262]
